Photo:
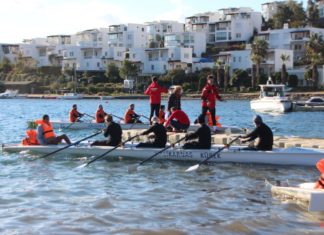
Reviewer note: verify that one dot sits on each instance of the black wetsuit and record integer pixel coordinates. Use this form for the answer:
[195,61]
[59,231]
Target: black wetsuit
[204,138]
[160,137]
[114,134]
[264,133]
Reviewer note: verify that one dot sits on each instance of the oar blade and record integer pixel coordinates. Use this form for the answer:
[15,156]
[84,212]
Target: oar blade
[192,168]
[81,166]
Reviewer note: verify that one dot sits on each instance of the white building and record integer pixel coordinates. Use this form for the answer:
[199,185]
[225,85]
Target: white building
[234,25]
[269,9]
[194,40]
[290,39]
[127,35]
[199,22]
[9,51]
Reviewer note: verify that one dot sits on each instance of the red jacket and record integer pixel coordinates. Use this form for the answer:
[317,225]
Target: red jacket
[209,95]
[180,116]
[154,90]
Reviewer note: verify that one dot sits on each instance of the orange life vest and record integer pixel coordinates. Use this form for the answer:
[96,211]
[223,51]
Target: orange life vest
[162,116]
[320,183]
[129,116]
[100,116]
[74,114]
[31,138]
[48,131]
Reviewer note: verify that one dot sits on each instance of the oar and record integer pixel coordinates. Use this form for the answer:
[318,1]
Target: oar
[120,118]
[145,117]
[134,167]
[69,145]
[71,124]
[89,116]
[105,153]
[195,167]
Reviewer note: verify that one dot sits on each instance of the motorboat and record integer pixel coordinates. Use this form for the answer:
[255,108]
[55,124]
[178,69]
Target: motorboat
[315,103]
[272,99]
[71,96]
[303,194]
[235,154]
[9,94]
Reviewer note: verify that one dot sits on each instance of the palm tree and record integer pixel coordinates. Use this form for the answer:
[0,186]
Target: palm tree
[284,58]
[258,53]
[219,64]
[315,55]
[226,74]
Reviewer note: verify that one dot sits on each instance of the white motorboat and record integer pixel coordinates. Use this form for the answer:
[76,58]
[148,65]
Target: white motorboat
[235,154]
[9,94]
[98,126]
[272,99]
[304,194]
[315,103]
[71,96]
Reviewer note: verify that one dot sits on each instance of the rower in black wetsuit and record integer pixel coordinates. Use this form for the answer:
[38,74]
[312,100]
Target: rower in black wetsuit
[263,132]
[160,135]
[113,132]
[202,133]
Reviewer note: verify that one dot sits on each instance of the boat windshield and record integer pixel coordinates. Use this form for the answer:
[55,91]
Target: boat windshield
[272,92]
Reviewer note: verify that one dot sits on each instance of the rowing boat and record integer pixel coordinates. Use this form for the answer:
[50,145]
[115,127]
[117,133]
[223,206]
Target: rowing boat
[98,126]
[278,156]
[304,194]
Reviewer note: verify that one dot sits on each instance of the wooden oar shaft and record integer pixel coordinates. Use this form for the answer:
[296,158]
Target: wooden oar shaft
[67,146]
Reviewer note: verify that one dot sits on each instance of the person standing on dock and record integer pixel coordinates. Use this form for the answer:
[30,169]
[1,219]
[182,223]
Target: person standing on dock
[74,114]
[261,131]
[154,90]
[160,135]
[209,95]
[320,166]
[46,135]
[130,115]
[113,132]
[178,120]
[174,99]
[202,133]
[100,114]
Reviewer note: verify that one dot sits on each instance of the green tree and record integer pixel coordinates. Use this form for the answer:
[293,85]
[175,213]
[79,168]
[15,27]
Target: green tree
[312,14]
[258,53]
[128,69]
[174,77]
[315,55]
[284,74]
[5,66]
[219,64]
[290,12]
[112,73]
[226,76]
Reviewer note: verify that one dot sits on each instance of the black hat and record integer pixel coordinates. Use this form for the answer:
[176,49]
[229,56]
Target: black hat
[201,118]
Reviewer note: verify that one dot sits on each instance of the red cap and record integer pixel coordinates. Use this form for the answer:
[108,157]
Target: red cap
[320,165]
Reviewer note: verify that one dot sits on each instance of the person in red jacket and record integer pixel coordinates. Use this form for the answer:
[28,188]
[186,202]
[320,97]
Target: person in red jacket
[320,166]
[209,95]
[100,114]
[154,90]
[178,120]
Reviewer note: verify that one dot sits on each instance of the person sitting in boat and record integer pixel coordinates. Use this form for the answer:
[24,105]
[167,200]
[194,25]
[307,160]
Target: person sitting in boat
[320,183]
[160,135]
[162,114]
[46,135]
[74,114]
[263,132]
[203,134]
[113,132]
[100,114]
[178,120]
[130,115]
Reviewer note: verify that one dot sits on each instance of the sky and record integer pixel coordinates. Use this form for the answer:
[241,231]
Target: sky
[26,19]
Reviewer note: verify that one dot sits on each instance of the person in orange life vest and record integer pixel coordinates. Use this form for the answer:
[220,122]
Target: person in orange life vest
[154,90]
[46,135]
[178,120]
[320,183]
[100,114]
[209,95]
[130,115]
[162,114]
[74,114]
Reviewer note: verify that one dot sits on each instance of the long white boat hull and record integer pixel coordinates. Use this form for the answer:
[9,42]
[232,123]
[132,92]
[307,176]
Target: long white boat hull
[275,105]
[99,126]
[279,156]
[309,196]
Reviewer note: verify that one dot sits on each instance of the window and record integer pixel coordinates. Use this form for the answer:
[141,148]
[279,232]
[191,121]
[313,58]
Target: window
[234,59]
[152,67]
[164,67]
[119,53]
[71,53]
[98,64]
[87,64]
[221,36]
[186,55]
[238,35]
[239,59]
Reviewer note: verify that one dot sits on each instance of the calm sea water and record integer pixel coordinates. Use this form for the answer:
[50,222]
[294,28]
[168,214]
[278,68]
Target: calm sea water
[51,196]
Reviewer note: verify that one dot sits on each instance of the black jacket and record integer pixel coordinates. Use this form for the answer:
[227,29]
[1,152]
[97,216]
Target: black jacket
[160,134]
[114,134]
[264,133]
[174,101]
[204,136]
